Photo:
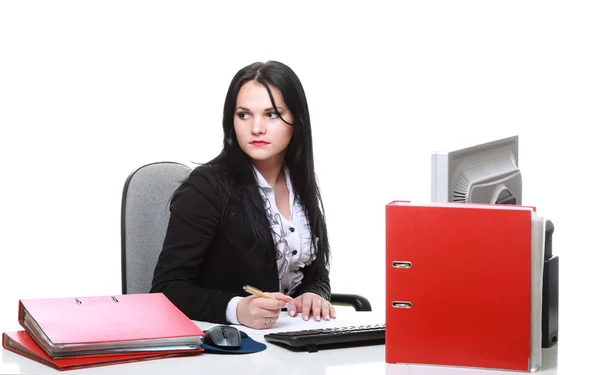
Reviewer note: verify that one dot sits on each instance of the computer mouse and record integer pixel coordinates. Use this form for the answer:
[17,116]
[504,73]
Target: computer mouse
[223,337]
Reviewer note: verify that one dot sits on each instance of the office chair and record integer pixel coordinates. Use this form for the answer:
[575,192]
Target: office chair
[144,218]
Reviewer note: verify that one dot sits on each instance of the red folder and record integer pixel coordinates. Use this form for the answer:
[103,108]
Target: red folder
[463,285]
[21,343]
[84,326]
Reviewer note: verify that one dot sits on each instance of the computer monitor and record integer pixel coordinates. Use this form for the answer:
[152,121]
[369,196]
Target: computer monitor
[483,173]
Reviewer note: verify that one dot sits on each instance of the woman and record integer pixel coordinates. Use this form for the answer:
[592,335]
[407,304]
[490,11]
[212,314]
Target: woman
[253,215]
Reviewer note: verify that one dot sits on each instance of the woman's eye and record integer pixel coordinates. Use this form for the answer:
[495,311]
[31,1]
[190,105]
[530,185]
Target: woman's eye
[243,115]
[272,115]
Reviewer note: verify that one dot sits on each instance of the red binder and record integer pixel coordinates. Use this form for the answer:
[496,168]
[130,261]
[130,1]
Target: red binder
[21,343]
[84,326]
[463,285]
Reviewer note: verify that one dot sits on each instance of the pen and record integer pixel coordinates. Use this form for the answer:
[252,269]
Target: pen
[260,293]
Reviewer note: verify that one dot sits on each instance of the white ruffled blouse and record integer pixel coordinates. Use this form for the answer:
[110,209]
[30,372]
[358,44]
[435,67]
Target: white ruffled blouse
[291,237]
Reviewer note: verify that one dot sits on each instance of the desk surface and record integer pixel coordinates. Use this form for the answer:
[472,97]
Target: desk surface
[277,360]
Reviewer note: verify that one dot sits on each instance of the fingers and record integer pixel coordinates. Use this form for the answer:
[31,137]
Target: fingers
[263,322]
[281,296]
[317,304]
[327,310]
[307,303]
[295,306]
[268,304]
[257,312]
[267,321]
[332,312]
[322,308]
[310,304]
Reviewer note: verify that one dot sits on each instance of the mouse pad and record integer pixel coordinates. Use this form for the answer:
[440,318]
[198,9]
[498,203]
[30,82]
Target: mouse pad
[248,346]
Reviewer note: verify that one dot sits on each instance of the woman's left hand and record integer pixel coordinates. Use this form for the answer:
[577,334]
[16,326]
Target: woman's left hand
[313,304]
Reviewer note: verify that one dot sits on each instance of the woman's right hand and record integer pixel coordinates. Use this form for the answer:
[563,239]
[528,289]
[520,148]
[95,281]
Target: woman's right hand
[259,312]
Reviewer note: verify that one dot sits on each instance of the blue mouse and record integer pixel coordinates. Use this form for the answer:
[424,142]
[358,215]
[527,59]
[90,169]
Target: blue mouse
[223,337]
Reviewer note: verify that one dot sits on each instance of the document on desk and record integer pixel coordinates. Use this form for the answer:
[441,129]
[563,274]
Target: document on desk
[84,326]
[464,285]
[286,323]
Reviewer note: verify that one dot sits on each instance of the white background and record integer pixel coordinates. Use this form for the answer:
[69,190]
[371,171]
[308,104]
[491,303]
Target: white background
[91,90]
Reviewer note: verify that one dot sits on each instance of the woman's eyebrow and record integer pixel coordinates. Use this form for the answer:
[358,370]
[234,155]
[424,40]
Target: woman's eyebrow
[279,109]
[240,108]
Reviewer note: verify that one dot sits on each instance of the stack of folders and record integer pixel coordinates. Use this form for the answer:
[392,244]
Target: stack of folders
[71,333]
[464,285]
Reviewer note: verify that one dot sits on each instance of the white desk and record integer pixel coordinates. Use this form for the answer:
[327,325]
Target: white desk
[276,360]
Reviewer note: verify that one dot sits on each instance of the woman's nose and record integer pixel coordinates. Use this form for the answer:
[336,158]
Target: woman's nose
[258,125]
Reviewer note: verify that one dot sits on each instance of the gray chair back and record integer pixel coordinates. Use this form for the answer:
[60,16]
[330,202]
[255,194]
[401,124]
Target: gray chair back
[144,218]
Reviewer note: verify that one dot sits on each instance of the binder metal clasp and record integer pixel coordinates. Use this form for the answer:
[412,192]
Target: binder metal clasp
[401,264]
[401,304]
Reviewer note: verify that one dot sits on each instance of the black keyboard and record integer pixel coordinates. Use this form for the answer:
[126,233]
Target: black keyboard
[312,339]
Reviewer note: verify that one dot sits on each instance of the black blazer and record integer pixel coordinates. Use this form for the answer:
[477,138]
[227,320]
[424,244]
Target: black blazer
[202,265]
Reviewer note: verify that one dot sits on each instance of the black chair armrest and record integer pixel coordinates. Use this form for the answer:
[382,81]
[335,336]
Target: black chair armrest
[359,303]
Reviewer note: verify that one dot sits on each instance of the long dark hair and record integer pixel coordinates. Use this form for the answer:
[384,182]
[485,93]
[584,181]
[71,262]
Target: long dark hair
[240,185]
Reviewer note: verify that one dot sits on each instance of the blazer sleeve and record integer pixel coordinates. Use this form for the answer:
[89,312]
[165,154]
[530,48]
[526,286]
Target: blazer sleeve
[193,224]
[315,280]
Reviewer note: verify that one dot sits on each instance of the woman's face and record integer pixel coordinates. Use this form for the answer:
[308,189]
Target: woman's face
[261,134]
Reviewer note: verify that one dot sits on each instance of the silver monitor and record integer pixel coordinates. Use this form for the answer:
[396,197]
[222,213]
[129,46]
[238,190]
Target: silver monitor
[483,173]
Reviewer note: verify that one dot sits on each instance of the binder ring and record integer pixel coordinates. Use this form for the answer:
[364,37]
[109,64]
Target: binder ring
[401,264]
[401,304]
